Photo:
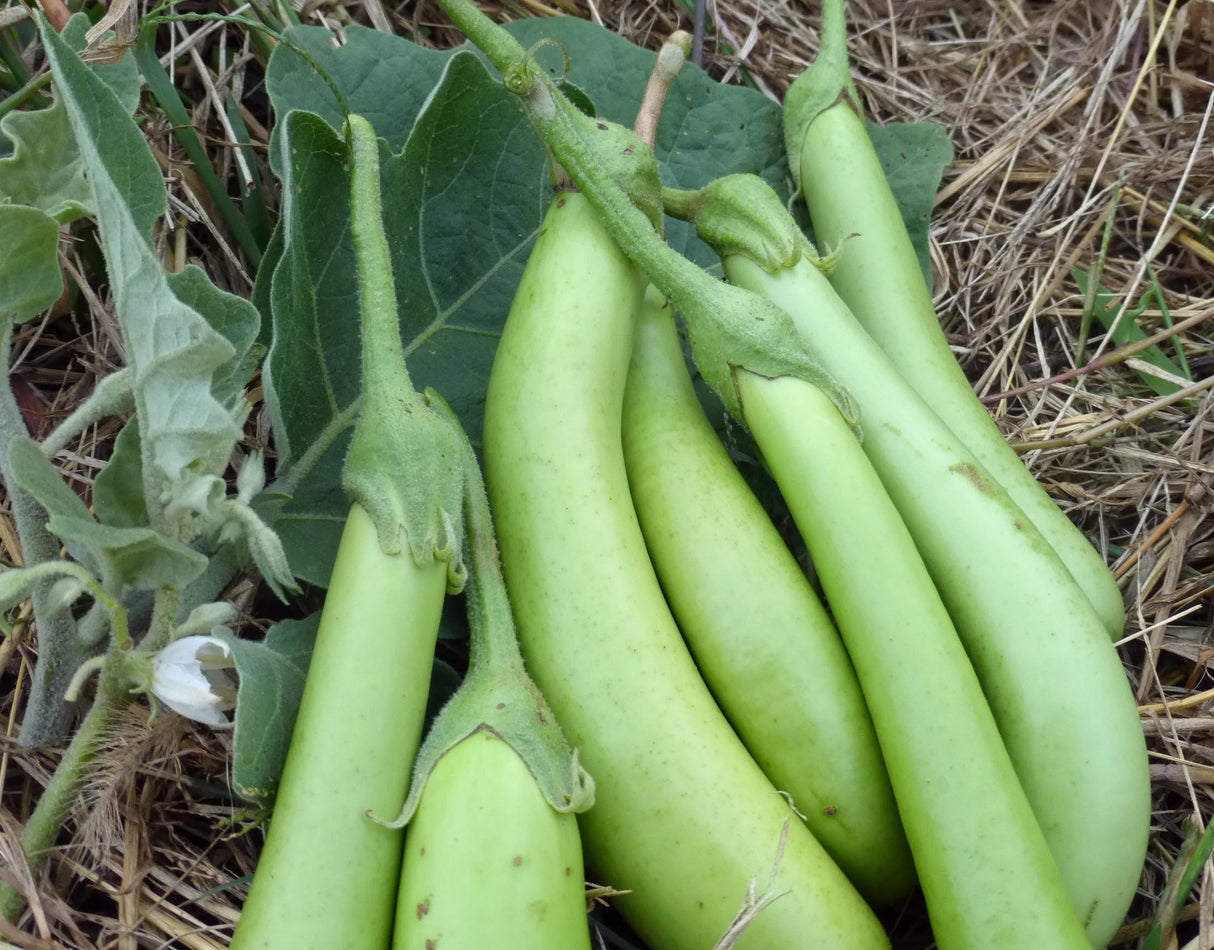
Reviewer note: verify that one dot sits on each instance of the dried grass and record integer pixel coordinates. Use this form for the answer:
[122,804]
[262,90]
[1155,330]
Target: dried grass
[1054,109]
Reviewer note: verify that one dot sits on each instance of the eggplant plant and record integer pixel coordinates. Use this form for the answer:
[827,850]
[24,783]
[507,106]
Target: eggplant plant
[141,569]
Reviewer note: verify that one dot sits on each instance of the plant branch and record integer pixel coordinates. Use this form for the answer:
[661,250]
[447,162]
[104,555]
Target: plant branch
[46,822]
[48,716]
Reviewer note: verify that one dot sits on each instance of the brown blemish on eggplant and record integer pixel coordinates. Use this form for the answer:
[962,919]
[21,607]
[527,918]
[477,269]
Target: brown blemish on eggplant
[970,472]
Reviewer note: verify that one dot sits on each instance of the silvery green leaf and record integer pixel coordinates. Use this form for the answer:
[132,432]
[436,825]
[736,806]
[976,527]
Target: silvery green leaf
[45,170]
[252,477]
[135,557]
[64,592]
[241,523]
[235,318]
[173,351]
[205,617]
[29,266]
[18,583]
[118,488]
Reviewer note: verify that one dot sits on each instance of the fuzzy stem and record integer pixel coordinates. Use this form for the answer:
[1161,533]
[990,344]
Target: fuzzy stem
[493,642]
[112,396]
[46,822]
[502,49]
[384,374]
[47,716]
[164,620]
[681,203]
[832,54]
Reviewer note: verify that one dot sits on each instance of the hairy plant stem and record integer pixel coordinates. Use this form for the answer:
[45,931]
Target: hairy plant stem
[45,823]
[48,716]
[164,619]
[385,377]
[493,645]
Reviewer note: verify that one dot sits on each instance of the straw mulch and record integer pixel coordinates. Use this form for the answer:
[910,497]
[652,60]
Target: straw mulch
[1082,140]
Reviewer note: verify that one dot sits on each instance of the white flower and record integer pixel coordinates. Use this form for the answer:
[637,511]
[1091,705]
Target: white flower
[196,677]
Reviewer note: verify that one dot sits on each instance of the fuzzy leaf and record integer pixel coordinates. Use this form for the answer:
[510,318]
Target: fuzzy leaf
[185,432]
[138,557]
[914,157]
[45,169]
[134,557]
[29,269]
[118,488]
[235,318]
[272,675]
[18,583]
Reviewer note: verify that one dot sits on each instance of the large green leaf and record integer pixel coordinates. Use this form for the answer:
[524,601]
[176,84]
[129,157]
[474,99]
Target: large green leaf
[272,675]
[384,78]
[462,204]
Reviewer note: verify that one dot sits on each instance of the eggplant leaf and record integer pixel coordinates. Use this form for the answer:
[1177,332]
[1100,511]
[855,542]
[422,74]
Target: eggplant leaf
[29,270]
[272,675]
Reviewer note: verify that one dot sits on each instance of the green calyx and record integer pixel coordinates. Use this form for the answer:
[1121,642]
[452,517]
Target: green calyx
[732,329]
[825,82]
[628,162]
[404,468]
[498,696]
[506,704]
[405,465]
[742,214]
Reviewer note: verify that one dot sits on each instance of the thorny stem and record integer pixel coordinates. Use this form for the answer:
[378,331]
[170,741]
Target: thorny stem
[47,717]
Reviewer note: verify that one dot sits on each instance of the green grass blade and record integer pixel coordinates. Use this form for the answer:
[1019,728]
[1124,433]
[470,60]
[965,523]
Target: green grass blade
[166,95]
